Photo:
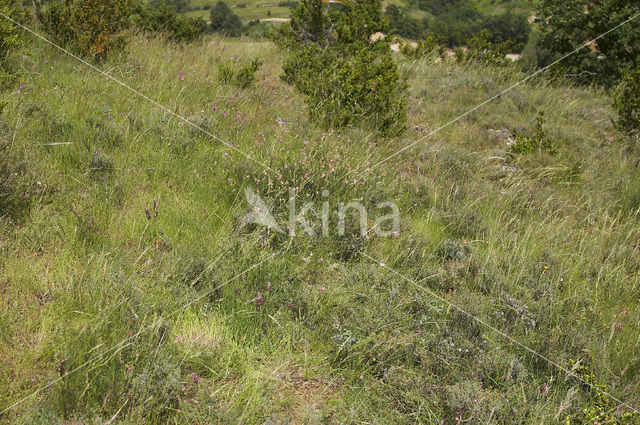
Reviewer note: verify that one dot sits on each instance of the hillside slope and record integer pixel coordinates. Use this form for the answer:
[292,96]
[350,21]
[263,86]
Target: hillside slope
[135,214]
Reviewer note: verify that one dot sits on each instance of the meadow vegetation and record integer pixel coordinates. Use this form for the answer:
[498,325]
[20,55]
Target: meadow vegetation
[129,287]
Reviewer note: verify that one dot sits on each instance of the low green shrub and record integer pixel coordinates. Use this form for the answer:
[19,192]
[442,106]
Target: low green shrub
[453,250]
[247,74]
[539,142]
[600,408]
[226,73]
[241,77]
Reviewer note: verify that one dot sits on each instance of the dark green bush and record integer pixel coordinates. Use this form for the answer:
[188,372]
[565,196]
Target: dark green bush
[224,21]
[480,48]
[626,100]
[348,79]
[454,21]
[165,19]
[569,27]
[361,89]
[508,27]
[402,23]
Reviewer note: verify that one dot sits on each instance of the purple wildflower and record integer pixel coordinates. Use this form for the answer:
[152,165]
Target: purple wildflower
[196,378]
[214,107]
[259,301]
[21,86]
[146,211]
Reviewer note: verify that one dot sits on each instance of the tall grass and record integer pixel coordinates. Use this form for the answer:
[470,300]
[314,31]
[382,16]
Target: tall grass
[536,245]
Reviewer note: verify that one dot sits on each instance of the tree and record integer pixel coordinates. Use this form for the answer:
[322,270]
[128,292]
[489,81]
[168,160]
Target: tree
[508,27]
[312,23]
[223,20]
[568,25]
[404,25]
[452,21]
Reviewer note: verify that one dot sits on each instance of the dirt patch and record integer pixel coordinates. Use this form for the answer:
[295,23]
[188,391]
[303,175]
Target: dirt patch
[275,20]
[307,395]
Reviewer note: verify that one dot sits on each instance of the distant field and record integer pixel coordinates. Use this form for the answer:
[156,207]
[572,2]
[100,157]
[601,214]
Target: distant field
[500,6]
[253,9]
[262,9]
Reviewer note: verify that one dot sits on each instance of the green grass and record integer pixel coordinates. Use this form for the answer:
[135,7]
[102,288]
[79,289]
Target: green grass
[339,338]
[258,9]
[500,6]
[252,10]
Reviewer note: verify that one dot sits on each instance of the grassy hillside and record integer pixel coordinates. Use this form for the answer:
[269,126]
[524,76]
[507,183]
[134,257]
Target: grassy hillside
[543,248]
